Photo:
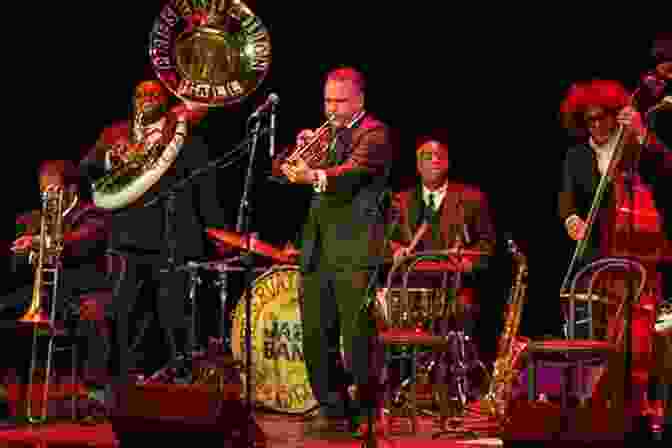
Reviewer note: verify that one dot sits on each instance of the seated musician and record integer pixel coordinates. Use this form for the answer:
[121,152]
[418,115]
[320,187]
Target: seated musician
[456,212]
[595,110]
[84,267]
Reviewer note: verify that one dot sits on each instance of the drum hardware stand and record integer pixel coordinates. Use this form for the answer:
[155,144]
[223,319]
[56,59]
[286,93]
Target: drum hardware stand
[194,280]
[223,284]
[458,370]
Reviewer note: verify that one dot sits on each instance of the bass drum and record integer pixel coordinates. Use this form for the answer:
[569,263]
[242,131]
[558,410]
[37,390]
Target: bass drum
[280,378]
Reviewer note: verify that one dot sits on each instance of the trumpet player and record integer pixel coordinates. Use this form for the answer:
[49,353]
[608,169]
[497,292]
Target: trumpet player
[84,268]
[342,242]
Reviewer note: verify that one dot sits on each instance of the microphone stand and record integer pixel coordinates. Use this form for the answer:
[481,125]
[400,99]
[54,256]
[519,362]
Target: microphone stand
[167,199]
[247,260]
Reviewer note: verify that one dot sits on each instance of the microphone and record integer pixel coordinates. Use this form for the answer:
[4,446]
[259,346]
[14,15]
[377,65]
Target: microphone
[510,244]
[271,145]
[465,231]
[271,101]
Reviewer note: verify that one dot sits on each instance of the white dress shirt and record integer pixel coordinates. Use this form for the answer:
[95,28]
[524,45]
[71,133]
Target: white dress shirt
[439,194]
[603,153]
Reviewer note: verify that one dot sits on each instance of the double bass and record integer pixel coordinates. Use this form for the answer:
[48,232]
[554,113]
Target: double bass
[635,231]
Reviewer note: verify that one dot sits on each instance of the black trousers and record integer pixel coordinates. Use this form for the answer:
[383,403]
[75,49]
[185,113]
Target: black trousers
[331,309]
[143,281]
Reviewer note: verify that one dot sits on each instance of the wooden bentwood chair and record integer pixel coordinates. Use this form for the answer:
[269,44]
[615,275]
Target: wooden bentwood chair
[572,355]
[406,335]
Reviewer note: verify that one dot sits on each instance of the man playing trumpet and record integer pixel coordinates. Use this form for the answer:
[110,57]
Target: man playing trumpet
[342,244]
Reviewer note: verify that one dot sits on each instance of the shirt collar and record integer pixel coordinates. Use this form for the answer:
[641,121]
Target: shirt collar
[439,193]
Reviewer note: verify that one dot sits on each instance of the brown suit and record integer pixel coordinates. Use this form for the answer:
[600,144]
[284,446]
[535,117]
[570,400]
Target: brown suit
[463,207]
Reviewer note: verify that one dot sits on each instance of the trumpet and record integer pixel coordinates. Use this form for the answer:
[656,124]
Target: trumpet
[313,152]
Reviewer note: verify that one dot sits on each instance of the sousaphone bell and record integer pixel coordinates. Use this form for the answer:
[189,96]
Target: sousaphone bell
[212,52]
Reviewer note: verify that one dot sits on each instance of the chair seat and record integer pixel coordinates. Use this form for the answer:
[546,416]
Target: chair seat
[412,336]
[574,349]
[571,345]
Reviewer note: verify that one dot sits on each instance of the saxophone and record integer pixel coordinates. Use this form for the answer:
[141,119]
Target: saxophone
[496,401]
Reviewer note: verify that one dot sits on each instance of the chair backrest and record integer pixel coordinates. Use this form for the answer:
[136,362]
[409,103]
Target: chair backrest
[595,269]
[406,307]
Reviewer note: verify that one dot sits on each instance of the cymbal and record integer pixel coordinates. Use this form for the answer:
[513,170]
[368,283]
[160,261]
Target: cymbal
[450,252]
[441,253]
[583,297]
[240,241]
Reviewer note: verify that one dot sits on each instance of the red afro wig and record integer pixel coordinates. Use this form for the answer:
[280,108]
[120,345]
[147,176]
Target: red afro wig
[608,94]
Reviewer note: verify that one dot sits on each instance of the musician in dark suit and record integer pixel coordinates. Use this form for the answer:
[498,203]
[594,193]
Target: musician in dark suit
[595,111]
[342,243]
[458,212]
[84,265]
[139,229]
[457,215]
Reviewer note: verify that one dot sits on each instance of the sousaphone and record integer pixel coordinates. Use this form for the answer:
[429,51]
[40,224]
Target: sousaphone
[213,53]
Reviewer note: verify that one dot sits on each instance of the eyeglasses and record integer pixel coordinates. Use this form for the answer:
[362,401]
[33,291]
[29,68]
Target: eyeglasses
[428,155]
[592,119]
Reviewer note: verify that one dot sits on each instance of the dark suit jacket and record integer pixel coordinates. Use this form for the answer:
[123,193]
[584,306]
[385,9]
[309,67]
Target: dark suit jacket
[85,266]
[345,225]
[581,177]
[138,229]
[462,205]
[86,230]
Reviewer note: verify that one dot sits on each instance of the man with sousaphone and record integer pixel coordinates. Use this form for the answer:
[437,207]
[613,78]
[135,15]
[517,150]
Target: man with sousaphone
[138,232]
[618,148]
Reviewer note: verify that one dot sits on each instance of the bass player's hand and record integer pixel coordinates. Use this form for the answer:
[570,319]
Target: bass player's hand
[400,253]
[22,243]
[576,227]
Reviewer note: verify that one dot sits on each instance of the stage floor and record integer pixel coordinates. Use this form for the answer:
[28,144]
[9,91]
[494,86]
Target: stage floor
[281,431]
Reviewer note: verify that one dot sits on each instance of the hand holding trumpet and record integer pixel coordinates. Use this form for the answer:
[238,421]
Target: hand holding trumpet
[298,171]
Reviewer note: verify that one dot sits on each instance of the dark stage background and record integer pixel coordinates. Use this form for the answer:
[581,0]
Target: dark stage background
[496,87]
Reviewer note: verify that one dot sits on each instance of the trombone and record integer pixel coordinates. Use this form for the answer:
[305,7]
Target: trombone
[45,286]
